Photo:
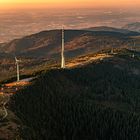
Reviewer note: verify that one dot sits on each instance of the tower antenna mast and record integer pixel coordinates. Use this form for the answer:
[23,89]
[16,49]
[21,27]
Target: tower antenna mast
[62,51]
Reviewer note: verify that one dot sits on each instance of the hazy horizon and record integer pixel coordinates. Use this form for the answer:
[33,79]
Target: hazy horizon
[16,4]
[23,18]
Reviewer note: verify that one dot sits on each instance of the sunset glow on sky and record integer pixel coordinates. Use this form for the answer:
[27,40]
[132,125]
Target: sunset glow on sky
[68,3]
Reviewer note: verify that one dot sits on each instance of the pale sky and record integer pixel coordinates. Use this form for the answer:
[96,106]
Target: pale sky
[69,3]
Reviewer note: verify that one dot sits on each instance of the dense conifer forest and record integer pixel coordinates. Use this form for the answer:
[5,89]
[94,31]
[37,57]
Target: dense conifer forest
[98,101]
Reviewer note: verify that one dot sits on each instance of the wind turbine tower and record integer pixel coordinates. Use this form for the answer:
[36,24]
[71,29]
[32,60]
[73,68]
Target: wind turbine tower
[17,64]
[133,55]
[62,51]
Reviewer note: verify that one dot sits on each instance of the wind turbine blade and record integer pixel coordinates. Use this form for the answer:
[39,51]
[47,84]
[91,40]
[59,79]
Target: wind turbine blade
[15,58]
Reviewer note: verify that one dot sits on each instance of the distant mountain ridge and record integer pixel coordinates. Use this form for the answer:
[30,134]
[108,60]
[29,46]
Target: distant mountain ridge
[110,29]
[133,26]
[77,42]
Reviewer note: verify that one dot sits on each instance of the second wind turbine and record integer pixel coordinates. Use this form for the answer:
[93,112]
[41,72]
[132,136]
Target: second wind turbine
[17,65]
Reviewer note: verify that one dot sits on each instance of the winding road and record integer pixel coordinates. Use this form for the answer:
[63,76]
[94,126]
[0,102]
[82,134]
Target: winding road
[5,110]
[9,90]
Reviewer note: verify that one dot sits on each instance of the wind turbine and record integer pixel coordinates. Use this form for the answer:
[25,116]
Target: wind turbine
[133,50]
[112,48]
[17,64]
[133,55]
[62,51]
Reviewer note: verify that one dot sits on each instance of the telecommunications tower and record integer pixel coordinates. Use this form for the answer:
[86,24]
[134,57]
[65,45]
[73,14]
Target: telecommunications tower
[62,51]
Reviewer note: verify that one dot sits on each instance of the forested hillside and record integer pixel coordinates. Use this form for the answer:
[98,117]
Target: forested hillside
[97,101]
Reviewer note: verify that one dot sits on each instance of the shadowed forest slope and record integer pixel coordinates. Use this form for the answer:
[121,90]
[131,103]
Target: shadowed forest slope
[99,101]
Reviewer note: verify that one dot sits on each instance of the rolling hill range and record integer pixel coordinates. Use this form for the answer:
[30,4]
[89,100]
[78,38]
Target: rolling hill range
[39,51]
[98,100]
[77,42]
[112,29]
[133,26]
